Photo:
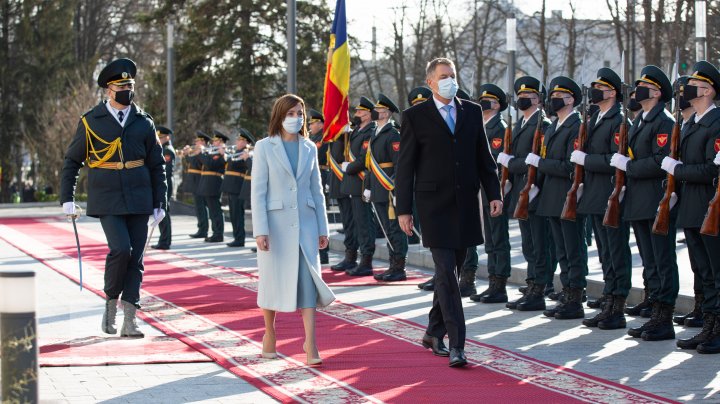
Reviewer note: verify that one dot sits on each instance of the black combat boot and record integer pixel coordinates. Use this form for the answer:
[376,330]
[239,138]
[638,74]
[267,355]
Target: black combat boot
[491,281]
[535,299]
[562,298]
[616,319]
[712,344]
[467,283]
[607,309]
[524,290]
[636,332]
[498,294]
[379,276]
[695,318]
[597,303]
[644,304]
[108,319]
[693,342]
[396,272]
[573,307]
[557,296]
[349,262]
[364,268]
[549,289]
[664,328]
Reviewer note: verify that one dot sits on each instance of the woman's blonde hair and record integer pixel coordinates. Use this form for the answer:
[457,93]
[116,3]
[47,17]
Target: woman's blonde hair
[280,108]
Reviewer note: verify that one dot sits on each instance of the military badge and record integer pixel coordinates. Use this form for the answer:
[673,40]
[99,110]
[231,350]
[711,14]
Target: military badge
[717,145]
[365,144]
[496,143]
[617,138]
[576,144]
[662,139]
[396,146]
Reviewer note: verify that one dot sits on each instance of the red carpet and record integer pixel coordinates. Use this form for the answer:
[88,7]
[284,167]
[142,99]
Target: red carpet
[368,356]
[96,350]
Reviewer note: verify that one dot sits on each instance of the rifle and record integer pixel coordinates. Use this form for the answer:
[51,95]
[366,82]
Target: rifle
[612,213]
[569,211]
[521,209]
[506,147]
[711,224]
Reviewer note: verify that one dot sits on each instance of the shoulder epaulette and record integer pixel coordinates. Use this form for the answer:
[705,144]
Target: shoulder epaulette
[86,113]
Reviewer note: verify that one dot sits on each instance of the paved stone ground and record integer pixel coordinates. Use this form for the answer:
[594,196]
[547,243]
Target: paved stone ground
[656,367]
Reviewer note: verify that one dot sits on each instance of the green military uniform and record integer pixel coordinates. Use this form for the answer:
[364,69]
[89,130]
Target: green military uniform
[165,225]
[194,171]
[209,187]
[236,170]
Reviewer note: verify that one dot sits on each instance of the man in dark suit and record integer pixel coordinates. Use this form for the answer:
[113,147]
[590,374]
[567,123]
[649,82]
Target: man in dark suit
[444,160]
[165,226]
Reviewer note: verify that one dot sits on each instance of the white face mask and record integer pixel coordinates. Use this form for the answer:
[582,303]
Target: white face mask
[447,88]
[293,125]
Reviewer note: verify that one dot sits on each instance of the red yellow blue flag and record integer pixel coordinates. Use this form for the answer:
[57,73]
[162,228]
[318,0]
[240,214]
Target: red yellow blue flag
[337,77]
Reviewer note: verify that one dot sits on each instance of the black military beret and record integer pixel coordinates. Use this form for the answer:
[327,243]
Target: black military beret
[419,94]
[219,135]
[385,102]
[463,95]
[566,85]
[315,116]
[607,77]
[202,136]
[653,75]
[707,72]
[244,133]
[529,83]
[365,104]
[163,130]
[119,71]
[488,90]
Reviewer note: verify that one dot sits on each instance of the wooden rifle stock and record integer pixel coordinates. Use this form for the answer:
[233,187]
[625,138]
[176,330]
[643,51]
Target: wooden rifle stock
[506,150]
[662,218]
[523,204]
[569,211]
[612,213]
[711,223]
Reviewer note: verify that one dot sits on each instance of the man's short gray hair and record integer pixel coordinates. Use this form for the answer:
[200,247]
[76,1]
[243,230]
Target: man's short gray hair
[430,68]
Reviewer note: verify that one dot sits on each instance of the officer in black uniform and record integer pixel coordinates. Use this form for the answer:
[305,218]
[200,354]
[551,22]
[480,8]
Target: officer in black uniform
[236,169]
[534,231]
[497,241]
[210,184]
[246,185]
[315,128]
[194,171]
[695,171]
[336,156]
[353,186]
[165,226]
[382,155]
[603,137]
[648,143]
[126,183]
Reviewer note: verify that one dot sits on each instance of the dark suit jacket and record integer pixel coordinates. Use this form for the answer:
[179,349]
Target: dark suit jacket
[444,173]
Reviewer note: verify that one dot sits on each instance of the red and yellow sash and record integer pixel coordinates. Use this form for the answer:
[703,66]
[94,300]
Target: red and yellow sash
[361,174]
[377,170]
[334,166]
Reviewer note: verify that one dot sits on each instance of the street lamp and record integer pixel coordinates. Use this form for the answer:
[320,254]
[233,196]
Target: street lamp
[700,29]
[292,50]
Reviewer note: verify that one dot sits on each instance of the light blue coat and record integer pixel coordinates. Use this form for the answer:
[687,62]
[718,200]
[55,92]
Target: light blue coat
[290,210]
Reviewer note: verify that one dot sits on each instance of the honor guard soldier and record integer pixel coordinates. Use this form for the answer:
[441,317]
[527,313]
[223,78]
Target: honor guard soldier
[315,129]
[126,183]
[210,184]
[382,155]
[194,170]
[603,137]
[353,185]
[497,238]
[648,143]
[247,183]
[534,231]
[418,95]
[696,173]
[169,155]
[236,170]
[463,95]
[336,156]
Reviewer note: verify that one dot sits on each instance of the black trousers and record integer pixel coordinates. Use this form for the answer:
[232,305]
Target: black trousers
[165,228]
[217,221]
[446,315]
[363,225]
[705,252]
[398,242]
[348,224]
[615,256]
[535,234]
[126,236]
[570,250]
[201,212]
[497,243]
[659,260]
[237,216]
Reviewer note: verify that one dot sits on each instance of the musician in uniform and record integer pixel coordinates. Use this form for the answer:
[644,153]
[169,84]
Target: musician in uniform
[648,143]
[236,170]
[315,123]
[165,226]
[382,154]
[213,168]
[193,157]
[534,231]
[126,183]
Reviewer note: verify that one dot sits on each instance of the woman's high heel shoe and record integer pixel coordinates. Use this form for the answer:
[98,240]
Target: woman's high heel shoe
[268,355]
[310,360]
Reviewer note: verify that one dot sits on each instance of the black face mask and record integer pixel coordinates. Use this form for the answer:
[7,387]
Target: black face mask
[690,92]
[356,121]
[596,95]
[684,104]
[633,105]
[486,105]
[557,104]
[374,115]
[642,94]
[124,97]
[524,103]
[592,109]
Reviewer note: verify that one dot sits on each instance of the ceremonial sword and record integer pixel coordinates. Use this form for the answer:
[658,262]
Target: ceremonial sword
[372,205]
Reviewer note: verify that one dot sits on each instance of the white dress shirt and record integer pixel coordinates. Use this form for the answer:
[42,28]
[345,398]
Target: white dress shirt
[443,112]
[114,113]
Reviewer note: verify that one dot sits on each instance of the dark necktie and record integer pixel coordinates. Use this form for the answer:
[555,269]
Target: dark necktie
[121,115]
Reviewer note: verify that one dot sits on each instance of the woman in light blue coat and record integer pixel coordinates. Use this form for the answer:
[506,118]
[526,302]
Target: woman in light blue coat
[289,224]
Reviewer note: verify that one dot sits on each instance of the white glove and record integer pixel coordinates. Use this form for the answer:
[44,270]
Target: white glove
[69,208]
[157,216]
[327,188]
[668,164]
[578,157]
[622,194]
[508,187]
[366,195]
[717,159]
[344,165]
[534,191]
[532,159]
[504,159]
[580,192]
[673,200]
[619,161]
[393,201]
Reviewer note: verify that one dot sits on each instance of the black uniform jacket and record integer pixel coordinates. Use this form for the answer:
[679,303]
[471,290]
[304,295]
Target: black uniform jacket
[194,168]
[337,151]
[235,172]
[558,144]
[352,184]
[385,148]
[446,171]
[129,191]
[602,143]
[169,156]
[213,167]
[699,144]
[246,185]
[522,139]
[649,144]
[495,132]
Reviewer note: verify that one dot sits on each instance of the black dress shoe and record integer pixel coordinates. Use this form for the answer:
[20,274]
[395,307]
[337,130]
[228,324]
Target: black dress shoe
[436,344]
[214,239]
[253,249]
[429,285]
[160,247]
[236,243]
[198,235]
[457,358]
